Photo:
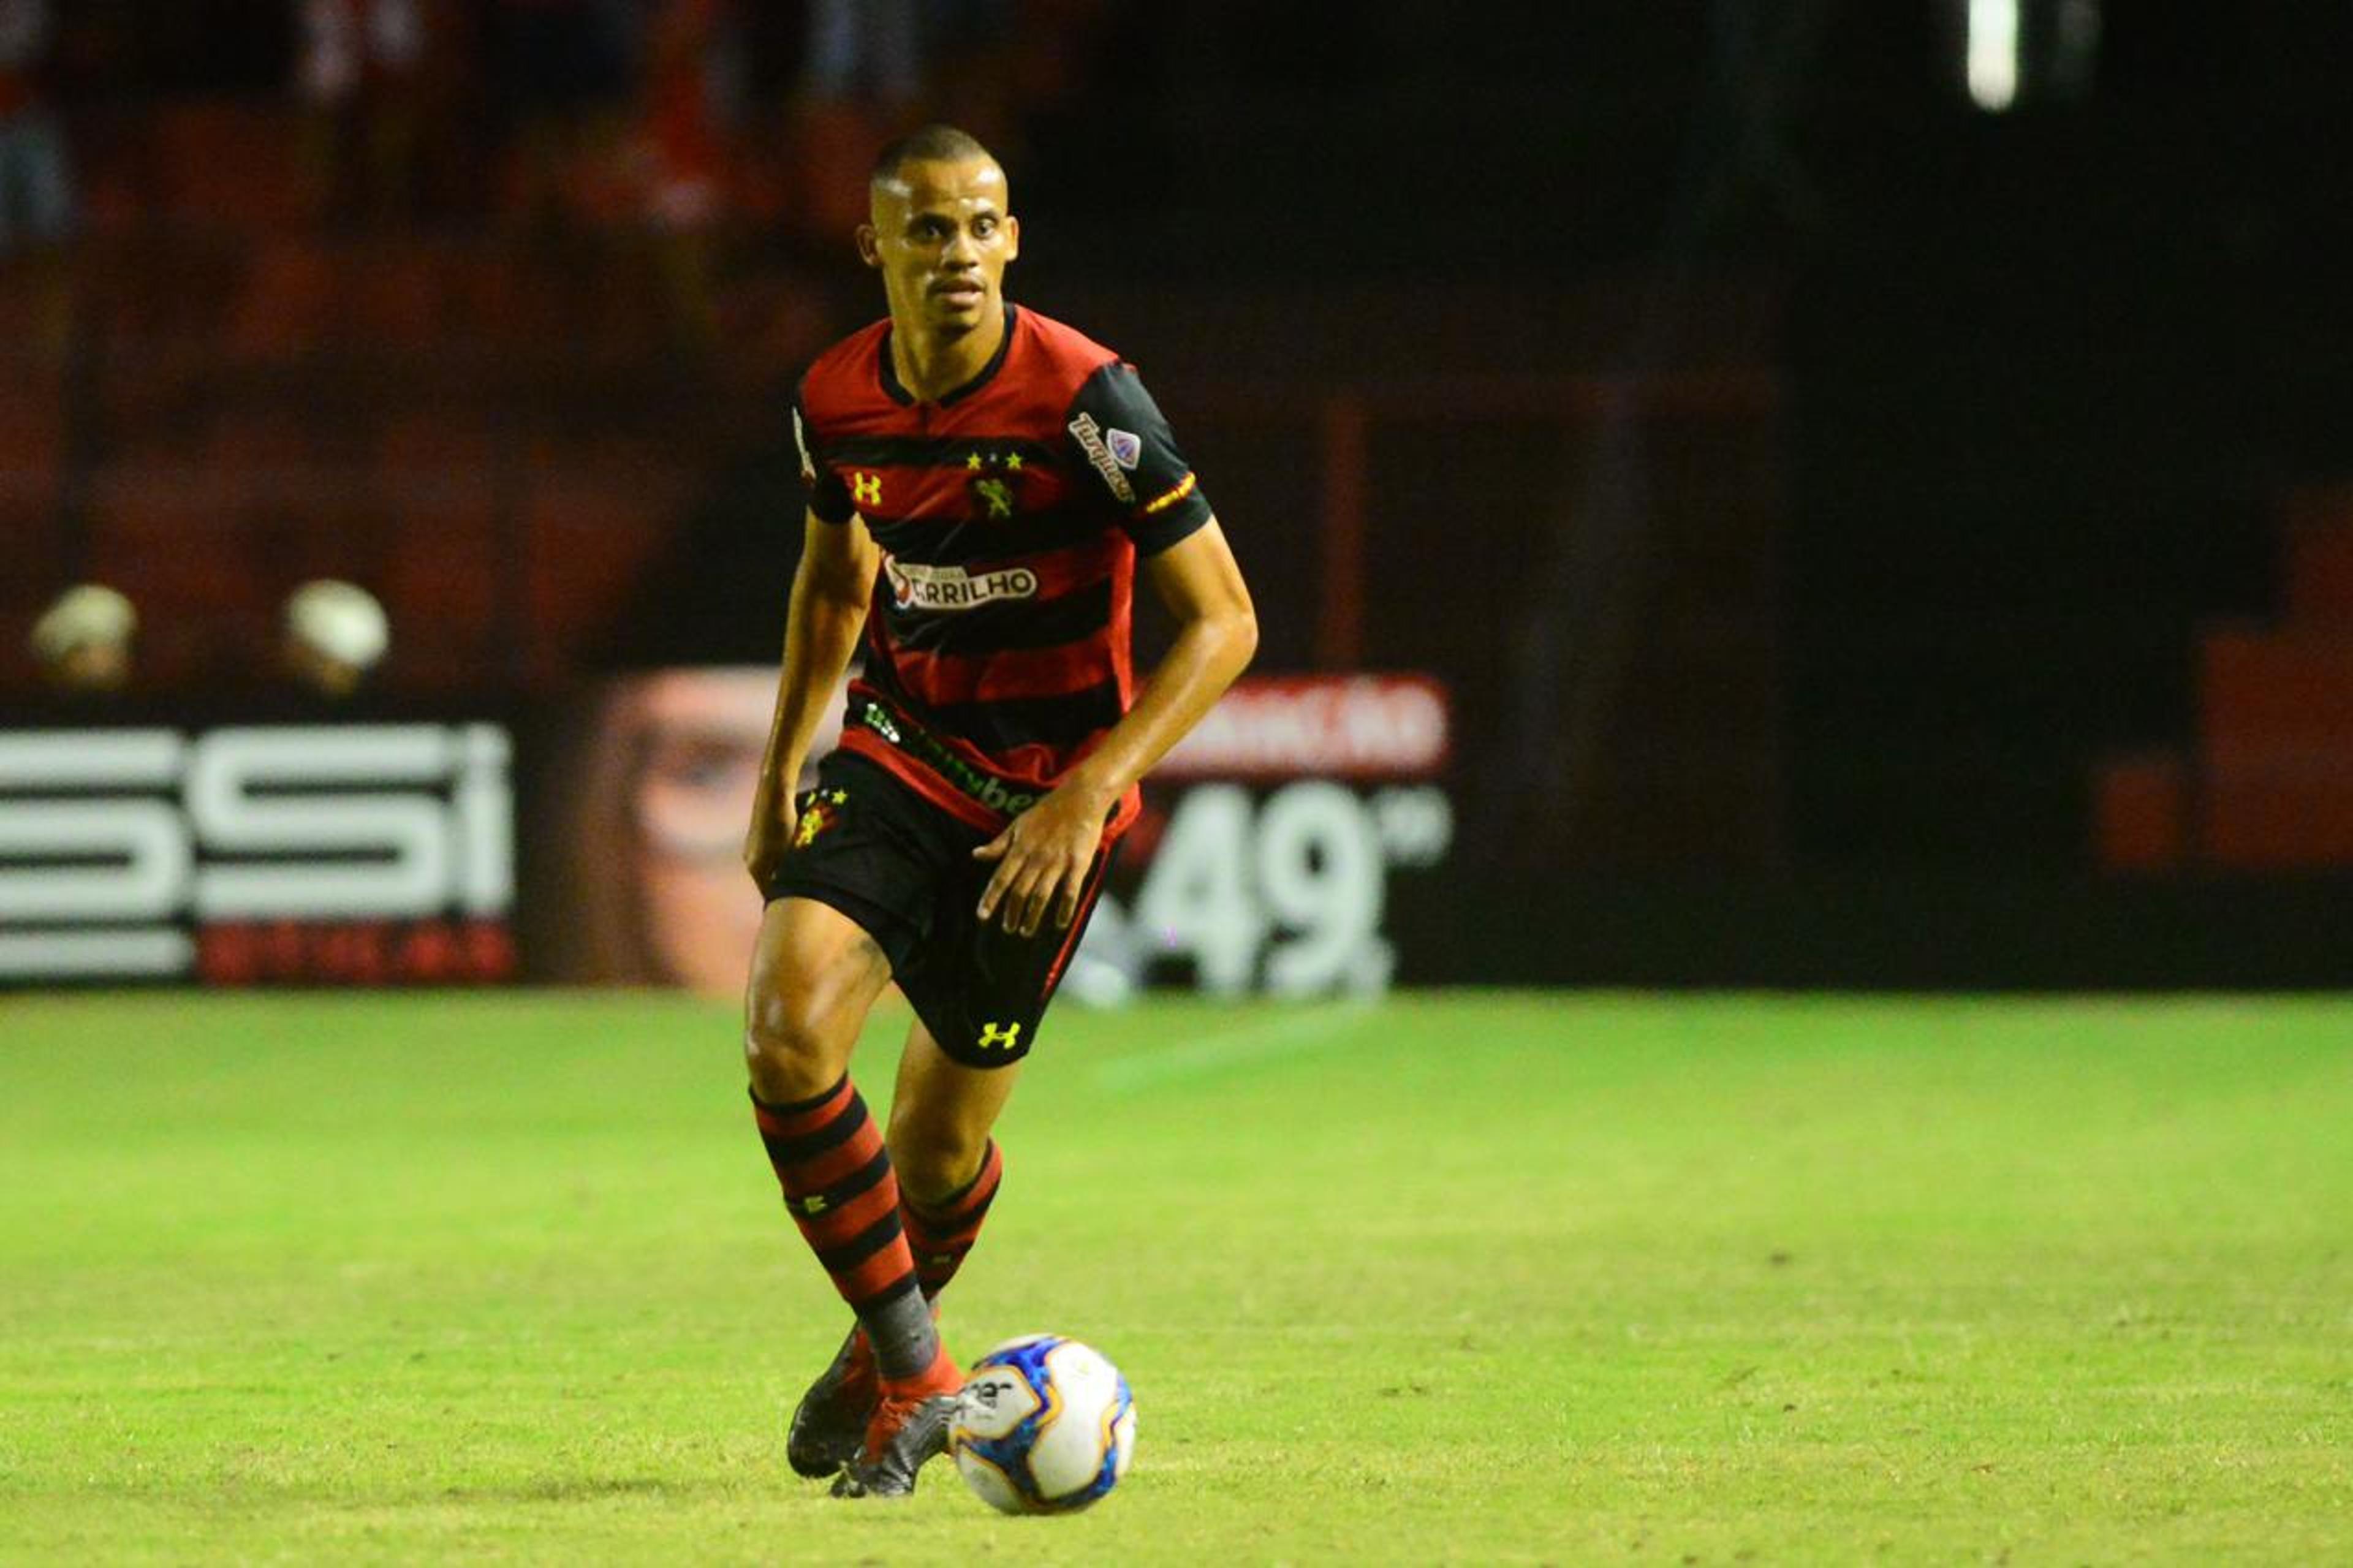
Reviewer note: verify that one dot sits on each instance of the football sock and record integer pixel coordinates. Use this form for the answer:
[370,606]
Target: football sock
[939,1235]
[840,1189]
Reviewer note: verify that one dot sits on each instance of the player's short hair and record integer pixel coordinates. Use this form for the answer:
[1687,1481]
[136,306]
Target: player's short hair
[932,143]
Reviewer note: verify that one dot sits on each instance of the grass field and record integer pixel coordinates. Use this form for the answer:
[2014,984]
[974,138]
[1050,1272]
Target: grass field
[1478,1279]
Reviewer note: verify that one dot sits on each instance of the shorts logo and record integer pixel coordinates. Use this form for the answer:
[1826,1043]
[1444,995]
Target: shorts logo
[1091,442]
[824,809]
[1126,448]
[1000,1037]
[916,587]
[866,490]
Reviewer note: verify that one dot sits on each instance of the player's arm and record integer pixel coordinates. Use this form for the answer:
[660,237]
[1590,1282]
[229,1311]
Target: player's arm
[831,589]
[1043,855]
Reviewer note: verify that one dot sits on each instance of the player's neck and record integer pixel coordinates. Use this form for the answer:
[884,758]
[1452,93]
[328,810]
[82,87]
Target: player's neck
[932,364]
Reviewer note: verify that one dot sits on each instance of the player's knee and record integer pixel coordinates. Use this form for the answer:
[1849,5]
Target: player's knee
[789,1045]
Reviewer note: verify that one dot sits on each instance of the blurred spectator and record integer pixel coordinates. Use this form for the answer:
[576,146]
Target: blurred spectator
[862,78]
[35,183]
[870,48]
[684,157]
[563,67]
[358,74]
[83,641]
[336,635]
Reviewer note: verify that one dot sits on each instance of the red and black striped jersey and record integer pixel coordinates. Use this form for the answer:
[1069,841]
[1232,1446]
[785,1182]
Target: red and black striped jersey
[1010,513]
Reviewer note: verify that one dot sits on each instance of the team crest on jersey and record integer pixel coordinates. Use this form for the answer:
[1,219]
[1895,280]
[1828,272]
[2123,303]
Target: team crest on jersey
[992,497]
[1126,448]
[917,586]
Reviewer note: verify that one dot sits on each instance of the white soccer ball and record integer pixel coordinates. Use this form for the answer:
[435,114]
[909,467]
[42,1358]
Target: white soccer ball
[1044,1424]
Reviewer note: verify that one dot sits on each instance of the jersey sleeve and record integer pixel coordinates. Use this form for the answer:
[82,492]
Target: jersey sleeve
[1119,433]
[829,497]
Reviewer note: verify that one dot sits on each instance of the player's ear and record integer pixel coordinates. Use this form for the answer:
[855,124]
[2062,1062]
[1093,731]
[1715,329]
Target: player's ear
[868,251]
[1012,238]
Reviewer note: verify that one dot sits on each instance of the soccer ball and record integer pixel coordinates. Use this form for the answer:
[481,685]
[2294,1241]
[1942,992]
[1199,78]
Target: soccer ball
[1044,1424]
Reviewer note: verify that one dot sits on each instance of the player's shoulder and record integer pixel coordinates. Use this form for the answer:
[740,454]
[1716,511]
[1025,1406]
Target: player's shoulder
[1059,354]
[844,375]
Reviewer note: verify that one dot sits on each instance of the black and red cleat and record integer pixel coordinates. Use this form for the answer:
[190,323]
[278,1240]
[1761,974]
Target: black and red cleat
[908,1429]
[829,1426]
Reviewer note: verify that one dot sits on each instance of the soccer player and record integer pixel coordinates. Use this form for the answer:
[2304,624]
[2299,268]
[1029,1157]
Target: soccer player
[983,483]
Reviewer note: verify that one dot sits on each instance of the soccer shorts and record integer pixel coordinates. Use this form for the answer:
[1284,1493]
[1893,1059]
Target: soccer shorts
[873,848]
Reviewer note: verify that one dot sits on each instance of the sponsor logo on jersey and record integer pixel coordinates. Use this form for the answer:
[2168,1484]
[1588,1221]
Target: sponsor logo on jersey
[1126,448]
[981,787]
[916,587]
[1091,442]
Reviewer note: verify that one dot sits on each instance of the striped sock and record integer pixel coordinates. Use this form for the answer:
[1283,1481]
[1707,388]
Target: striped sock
[839,1188]
[940,1236]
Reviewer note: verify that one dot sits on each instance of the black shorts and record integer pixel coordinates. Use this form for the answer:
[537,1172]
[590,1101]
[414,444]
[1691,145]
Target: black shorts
[902,868]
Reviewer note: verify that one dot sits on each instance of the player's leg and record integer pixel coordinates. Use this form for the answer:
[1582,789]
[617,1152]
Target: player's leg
[815,974]
[980,996]
[937,1123]
[949,1167]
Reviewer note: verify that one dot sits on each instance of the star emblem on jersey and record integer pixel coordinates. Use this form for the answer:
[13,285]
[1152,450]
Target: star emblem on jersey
[994,494]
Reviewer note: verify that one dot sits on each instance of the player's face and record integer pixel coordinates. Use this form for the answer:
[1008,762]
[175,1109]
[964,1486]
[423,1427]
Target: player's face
[941,237]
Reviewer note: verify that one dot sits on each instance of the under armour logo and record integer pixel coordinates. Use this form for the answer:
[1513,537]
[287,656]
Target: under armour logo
[999,1037]
[866,490]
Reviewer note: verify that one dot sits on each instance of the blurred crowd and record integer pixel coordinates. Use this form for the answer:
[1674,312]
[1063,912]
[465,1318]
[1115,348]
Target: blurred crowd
[544,114]
[192,186]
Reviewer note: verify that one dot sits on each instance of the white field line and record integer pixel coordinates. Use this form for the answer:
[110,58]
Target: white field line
[1296,1031]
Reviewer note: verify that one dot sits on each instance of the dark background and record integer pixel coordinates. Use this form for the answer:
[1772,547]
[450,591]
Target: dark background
[1806,479]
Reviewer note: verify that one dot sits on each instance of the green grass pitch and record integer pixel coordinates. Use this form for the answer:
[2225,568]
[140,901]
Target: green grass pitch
[1502,1278]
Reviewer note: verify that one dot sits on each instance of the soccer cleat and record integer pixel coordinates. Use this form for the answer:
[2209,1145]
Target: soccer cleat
[829,1423]
[908,1428]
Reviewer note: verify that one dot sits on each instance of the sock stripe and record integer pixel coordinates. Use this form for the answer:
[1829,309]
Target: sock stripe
[938,1238]
[843,1254]
[799,1115]
[840,1164]
[830,1161]
[889,1292]
[794,1148]
[880,1277]
[839,1192]
[970,1200]
[832,1227]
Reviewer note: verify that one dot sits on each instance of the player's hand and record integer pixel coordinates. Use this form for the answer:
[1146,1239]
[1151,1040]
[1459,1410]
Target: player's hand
[1042,858]
[772,820]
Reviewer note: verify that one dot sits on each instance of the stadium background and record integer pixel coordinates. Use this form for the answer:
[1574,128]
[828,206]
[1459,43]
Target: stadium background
[1867,537]
[1730,508]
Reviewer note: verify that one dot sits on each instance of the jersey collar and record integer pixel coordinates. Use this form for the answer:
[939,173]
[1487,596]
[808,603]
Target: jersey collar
[899,394]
